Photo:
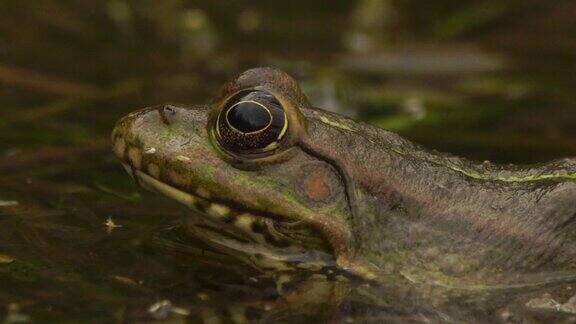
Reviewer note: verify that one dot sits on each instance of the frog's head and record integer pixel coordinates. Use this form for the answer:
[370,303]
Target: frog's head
[257,192]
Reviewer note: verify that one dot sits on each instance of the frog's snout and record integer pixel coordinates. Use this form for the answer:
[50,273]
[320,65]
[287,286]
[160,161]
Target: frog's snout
[150,139]
[124,137]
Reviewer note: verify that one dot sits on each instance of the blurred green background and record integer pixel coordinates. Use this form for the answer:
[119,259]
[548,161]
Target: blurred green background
[486,79]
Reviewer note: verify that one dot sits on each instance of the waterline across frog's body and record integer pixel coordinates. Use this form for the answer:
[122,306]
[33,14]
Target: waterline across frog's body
[334,193]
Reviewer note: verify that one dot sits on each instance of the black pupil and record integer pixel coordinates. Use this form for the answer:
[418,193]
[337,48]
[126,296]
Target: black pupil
[251,122]
[249,117]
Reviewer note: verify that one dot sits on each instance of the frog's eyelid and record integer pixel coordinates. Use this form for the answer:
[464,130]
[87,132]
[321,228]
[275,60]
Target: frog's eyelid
[284,127]
[216,126]
[271,146]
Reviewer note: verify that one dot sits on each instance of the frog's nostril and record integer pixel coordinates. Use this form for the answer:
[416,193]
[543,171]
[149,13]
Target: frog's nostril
[167,113]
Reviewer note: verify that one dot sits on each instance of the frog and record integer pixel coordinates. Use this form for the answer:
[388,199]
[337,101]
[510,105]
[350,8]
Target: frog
[284,186]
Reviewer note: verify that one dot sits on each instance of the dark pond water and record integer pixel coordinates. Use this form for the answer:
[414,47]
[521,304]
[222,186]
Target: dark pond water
[490,80]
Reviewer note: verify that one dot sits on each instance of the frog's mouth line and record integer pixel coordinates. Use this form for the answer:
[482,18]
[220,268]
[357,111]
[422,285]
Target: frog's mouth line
[254,238]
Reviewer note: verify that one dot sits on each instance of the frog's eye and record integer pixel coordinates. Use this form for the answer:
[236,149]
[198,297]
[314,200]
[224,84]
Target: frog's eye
[251,122]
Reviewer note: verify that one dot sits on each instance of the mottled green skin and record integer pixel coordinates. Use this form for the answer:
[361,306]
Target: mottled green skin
[395,212]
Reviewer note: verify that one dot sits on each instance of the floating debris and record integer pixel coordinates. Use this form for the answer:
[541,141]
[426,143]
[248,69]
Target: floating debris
[6,259]
[15,316]
[125,280]
[111,225]
[161,309]
[8,203]
[164,308]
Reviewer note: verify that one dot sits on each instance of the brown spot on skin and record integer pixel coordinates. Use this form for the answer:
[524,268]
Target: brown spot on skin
[316,187]
[318,184]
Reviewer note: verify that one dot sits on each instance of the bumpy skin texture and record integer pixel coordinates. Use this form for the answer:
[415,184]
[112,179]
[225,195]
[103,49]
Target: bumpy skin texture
[389,209]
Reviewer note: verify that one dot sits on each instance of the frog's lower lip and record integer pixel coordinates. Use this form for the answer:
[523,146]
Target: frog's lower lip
[216,216]
[189,200]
